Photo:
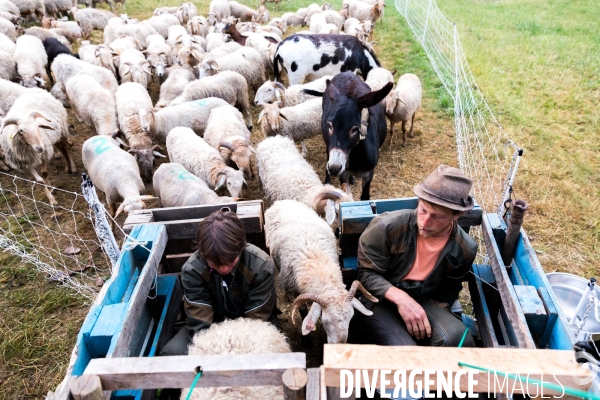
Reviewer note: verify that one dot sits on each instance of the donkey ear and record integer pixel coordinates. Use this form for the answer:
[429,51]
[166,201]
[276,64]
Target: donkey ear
[372,98]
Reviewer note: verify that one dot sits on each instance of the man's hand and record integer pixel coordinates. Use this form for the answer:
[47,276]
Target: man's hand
[412,313]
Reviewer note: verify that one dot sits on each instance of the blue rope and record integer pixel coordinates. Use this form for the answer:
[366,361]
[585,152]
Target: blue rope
[193,384]
[463,337]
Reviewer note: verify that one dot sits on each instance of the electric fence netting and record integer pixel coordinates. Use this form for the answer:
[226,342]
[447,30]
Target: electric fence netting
[485,153]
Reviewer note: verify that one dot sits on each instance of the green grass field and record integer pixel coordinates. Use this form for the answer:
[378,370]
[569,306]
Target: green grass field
[537,64]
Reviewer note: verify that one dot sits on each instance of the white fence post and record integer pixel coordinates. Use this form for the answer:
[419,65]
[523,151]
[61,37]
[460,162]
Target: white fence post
[101,225]
[426,21]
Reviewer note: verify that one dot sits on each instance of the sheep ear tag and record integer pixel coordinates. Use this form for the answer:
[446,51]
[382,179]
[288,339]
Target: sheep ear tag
[330,211]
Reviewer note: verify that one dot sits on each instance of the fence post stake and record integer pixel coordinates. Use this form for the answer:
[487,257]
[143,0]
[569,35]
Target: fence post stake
[101,225]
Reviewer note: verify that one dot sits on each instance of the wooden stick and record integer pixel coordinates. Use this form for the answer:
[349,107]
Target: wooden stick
[87,387]
[313,385]
[294,384]
[179,371]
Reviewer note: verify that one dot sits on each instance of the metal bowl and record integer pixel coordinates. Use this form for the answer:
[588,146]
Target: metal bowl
[568,289]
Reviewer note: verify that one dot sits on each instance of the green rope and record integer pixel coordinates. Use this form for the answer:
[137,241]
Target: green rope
[193,384]
[463,337]
[567,390]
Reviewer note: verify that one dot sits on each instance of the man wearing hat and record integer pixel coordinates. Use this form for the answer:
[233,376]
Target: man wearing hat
[414,262]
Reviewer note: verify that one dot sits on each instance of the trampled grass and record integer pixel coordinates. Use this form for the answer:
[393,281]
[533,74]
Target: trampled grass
[536,63]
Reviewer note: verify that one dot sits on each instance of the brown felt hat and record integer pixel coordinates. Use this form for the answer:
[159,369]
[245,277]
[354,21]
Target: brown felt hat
[447,186]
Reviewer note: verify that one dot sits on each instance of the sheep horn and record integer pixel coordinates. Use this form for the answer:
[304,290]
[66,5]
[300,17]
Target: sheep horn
[156,147]
[346,188]
[36,114]
[227,145]
[305,298]
[10,121]
[262,113]
[329,195]
[357,285]
[280,86]
[119,210]
[133,151]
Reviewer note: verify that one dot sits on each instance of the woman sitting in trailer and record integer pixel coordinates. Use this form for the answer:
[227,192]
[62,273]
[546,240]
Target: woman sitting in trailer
[226,278]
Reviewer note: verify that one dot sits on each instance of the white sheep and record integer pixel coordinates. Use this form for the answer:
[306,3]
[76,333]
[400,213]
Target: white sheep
[138,31]
[226,131]
[134,67]
[242,12]
[364,12]
[65,66]
[175,33]
[262,15]
[377,78]
[31,60]
[10,91]
[31,7]
[110,30]
[299,122]
[286,175]
[162,23]
[131,99]
[192,114]
[101,55]
[8,67]
[238,336]
[198,25]
[71,26]
[227,85]
[9,7]
[203,160]
[220,9]
[329,29]
[90,19]
[165,10]
[6,44]
[221,50]
[279,23]
[114,172]
[246,61]
[333,17]
[292,19]
[178,77]
[176,187]
[43,34]
[272,91]
[8,28]
[34,126]
[402,104]
[304,248]
[317,22]
[158,54]
[215,40]
[93,105]
[54,7]
[186,12]
[121,44]
[265,48]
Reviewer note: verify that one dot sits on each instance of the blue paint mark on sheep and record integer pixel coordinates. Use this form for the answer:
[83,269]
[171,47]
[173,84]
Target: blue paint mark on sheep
[183,175]
[199,103]
[100,144]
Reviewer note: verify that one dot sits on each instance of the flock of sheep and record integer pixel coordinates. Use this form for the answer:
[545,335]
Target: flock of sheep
[205,67]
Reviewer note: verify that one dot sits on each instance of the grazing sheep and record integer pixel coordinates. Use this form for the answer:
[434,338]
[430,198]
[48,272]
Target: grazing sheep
[121,44]
[6,44]
[178,78]
[32,128]
[333,17]
[56,7]
[43,34]
[279,23]
[31,60]
[192,114]
[198,25]
[110,30]
[402,104]
[71,26]
[227,85]
[175,34]
[299,123]
[101,56]
[10,91]
[93,105]
[265,48]
[190,50]
[8,28]
[138,31]
[162,23]
[176,187]
[165,10]
[293,19]
[225,131]
[158,54]
[329,29]
[316,23]
[134,67]
[90,19]
[8,67]
[271,92]
[35,8]
[238,336]
[286,175]
[377,78]
[53,49]
[364,12]
[133,99]
[304,248]
[220,9]
[222,50]
[186,12]
[241,12]
[245,61]
[114,172]
[262,15]
[215,40]
[203,160]
[9,7]
[355,28]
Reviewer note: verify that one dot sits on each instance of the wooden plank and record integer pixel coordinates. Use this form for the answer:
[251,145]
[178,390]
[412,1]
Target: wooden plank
[533,308]
[505,287]
[443,360]
[313,385]
[174,262]
[120,346]
[180,371]
[484,318]
[189,212]
[552,312]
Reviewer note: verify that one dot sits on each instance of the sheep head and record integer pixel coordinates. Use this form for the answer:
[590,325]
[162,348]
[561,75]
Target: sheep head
[28,129]
[271,119]
[392,101]
[239,151]
[107,57]
[232,179]
[133,203]
[208,67]
[158,62]
[269,92]
[327,202]
[335,309]
[47,22]
[31,81]
[146,120]
[145,159]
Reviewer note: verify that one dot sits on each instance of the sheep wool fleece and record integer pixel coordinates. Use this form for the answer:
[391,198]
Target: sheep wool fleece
[248,291]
